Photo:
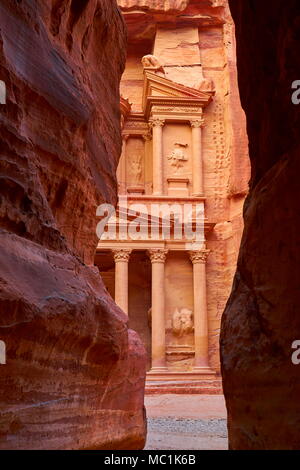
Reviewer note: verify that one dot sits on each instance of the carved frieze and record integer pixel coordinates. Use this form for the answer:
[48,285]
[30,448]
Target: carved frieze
[176,109]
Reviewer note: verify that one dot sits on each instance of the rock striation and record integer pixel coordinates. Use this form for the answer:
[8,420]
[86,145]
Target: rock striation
[74,373]
[261,320]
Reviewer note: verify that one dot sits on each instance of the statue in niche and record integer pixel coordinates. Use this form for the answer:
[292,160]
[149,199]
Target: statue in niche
[151,62]
[136,169]
[182,322]
[178,156]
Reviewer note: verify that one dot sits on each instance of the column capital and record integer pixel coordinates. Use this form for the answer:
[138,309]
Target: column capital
[157,255]
[196,123]
[125,137]
[147,137]
[123,254]
[156,122]
[199,256]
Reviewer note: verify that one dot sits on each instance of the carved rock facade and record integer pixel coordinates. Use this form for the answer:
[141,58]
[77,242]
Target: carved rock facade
[184,144]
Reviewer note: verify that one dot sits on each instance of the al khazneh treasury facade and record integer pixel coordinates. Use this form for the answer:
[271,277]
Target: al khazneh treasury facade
[184,146]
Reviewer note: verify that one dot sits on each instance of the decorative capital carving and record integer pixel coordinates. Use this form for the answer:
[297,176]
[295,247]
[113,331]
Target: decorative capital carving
[199,256]
[198,122]
[125,137]
[147,137]
[158,255]
[122,255]
[157,122]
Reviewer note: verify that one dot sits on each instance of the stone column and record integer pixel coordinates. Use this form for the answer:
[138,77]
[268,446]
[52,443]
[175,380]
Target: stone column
[121,171]
[158,258]
[197,125]
[121,258]
[158,170]
[198,259]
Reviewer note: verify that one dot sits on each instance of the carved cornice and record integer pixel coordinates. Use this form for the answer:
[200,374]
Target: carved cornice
[199,256]
[157,255]
[122,254]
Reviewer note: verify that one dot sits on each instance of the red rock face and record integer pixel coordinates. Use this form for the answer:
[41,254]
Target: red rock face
[74,377]
[262,320]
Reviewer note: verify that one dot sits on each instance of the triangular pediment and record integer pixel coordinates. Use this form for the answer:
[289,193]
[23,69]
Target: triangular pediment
[158,87]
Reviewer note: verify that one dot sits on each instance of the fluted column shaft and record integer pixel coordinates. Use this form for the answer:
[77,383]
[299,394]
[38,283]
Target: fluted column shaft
[158,258]
[198,259]
[121,258]
[197,125]
[158,170]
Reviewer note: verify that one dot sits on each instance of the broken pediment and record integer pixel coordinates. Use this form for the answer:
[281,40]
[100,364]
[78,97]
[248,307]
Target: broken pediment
[159,90]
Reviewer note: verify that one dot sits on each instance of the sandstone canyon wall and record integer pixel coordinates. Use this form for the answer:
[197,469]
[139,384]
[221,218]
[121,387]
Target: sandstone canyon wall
[261,321]
[74,377]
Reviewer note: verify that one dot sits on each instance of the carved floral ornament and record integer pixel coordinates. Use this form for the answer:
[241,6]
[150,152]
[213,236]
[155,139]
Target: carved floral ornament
[122,255]
[199,256]
[156,122]
[198,122]
[158,255]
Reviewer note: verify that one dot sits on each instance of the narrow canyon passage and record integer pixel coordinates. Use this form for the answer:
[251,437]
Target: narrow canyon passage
[136,109]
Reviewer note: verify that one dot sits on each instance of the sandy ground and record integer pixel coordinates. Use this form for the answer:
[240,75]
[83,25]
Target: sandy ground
[186,422]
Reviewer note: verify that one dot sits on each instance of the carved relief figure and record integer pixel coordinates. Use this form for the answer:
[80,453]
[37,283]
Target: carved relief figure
[151,62]
[136,169]
[178,156]
[182,322]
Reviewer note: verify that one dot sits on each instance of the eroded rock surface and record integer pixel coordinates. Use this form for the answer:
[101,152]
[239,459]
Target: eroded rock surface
[74,376]
[262,319]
